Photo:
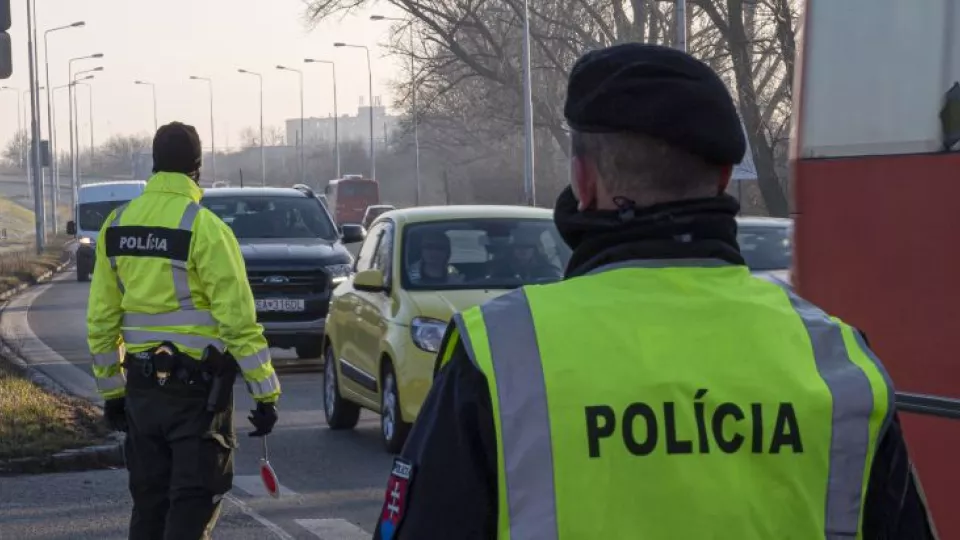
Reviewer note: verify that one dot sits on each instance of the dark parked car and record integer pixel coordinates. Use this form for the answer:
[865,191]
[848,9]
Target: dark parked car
[294,256]
[767,245]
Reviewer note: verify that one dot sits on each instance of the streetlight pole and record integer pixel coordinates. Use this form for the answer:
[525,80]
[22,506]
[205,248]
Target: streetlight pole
[303,170]
[35,129]
[373,152]
[413,99]
[529,180]
[54,166]
[213,147]
[153,89]
[681,25]
[74,182]
[53,110]
[76,113]
[336,113]
[263,160]
[89,113]
[19,118]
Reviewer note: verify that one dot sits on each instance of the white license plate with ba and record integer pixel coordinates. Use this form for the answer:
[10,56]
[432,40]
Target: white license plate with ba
[279,304]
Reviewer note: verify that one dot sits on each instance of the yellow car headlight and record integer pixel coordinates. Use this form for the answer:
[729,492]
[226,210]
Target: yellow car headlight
[427,333]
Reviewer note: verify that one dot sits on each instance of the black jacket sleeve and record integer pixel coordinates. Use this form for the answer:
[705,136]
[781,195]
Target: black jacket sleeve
[895,507]
[452,447]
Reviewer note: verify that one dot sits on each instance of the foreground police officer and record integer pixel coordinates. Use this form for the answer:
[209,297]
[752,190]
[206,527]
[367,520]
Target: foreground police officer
[170,286]
[658,392]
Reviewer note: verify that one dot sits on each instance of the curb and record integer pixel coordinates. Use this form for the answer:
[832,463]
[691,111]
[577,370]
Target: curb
[71,460]
[104,456]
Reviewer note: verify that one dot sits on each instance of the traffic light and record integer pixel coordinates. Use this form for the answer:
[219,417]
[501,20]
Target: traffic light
[6,54]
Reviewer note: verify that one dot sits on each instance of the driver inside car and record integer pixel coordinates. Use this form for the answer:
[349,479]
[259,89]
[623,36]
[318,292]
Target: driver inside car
[433,266]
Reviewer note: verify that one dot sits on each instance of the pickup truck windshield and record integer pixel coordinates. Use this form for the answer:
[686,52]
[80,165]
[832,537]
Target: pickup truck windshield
[257,217]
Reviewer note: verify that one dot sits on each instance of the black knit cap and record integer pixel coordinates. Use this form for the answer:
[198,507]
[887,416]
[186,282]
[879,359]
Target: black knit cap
[176,148]
[659,92]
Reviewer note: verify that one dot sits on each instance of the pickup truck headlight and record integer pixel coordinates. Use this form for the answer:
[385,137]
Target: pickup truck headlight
[339,272]
[427,334]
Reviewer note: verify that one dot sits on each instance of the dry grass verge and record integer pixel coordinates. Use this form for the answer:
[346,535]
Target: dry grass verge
[25,266]
[37,423]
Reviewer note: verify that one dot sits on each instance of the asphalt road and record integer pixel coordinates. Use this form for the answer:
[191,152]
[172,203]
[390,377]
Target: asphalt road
[333,482]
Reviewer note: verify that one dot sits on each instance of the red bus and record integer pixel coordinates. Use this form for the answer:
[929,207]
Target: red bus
[349,197]
[876,175]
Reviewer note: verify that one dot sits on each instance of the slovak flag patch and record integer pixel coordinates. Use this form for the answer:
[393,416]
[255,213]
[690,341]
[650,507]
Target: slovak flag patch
[395,500]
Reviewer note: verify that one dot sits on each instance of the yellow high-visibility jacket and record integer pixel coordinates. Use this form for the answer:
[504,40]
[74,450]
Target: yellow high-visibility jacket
[168,269]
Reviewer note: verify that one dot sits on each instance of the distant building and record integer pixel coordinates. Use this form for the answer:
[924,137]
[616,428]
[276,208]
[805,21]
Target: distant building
[320,131]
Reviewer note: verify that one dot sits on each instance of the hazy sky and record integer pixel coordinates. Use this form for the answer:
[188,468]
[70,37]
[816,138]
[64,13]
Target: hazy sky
[167,41]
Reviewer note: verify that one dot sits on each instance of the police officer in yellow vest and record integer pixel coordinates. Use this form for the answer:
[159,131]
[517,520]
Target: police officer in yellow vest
[171,320]
[659,392]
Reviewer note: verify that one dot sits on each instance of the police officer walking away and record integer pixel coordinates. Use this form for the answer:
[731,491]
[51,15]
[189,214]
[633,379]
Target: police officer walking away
[659,391]
[171,301]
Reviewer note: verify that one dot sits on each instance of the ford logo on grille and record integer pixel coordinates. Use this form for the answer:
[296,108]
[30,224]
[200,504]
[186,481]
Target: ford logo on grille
[276,280]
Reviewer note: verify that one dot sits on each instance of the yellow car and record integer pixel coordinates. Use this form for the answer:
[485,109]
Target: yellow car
[415,269]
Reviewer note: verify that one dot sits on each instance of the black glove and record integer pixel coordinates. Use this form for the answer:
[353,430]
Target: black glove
[263,418]
[115,414]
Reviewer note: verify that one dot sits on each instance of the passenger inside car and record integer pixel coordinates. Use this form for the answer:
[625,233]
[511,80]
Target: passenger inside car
[433,264]
[524,259]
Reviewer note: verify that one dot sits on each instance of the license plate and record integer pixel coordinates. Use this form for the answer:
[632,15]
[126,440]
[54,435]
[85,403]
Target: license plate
[279,304]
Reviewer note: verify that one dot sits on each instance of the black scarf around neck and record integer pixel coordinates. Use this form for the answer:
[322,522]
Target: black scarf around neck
[696,228]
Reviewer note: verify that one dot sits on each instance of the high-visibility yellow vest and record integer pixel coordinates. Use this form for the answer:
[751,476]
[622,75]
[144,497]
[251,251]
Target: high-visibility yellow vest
[676,400]
[169,270]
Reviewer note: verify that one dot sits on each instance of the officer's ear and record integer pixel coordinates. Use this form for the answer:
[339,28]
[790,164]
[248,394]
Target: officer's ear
[726,173]
[585,180]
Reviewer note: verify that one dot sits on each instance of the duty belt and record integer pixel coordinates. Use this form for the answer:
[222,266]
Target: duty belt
[165,361]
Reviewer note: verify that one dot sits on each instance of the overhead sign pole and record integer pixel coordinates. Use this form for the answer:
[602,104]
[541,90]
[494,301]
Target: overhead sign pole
[35,134]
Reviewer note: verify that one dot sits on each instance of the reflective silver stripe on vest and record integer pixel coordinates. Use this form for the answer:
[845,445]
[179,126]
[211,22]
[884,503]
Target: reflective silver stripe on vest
[181,284]
[852,403]
[525,423]
[189,317]
[255,360]
[106,359]
[110,384]
[113,260]
[262,388]
[524,416]
[146,337]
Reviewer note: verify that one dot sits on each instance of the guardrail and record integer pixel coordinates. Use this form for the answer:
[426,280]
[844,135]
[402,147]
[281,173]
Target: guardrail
[942,407]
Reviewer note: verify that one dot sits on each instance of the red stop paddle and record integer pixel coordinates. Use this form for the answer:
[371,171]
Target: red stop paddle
[267,474]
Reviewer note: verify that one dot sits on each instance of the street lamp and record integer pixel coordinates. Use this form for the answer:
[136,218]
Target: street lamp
[413,99]
[153,89]
[54,165]
[263,161]
[53,110]
[73,142]
[76,113]
[19,117]
[373,158]
[213,147]
[336,114]
[303,170]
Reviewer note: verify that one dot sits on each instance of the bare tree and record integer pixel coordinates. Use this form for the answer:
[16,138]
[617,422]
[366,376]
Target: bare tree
[16,150]
[469,77]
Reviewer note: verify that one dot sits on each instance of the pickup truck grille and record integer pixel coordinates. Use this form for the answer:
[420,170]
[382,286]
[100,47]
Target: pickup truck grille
[298,282]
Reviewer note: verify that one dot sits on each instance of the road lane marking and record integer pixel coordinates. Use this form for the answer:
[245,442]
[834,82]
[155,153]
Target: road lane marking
[250,512]
[253,485]
[333,529]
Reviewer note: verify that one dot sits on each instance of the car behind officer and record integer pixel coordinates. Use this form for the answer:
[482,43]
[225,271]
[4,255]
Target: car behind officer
[660,391]
[170,290]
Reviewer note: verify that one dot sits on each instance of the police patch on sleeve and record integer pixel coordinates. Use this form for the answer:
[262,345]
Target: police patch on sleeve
[396,497]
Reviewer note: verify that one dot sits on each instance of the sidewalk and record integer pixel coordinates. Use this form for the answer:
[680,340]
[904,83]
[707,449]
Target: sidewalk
[91,505]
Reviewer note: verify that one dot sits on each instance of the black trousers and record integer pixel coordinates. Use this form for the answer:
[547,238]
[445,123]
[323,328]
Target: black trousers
[179,456]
